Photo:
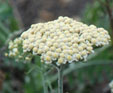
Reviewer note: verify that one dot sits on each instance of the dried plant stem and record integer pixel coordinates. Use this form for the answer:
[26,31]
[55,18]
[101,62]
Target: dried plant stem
[60,79]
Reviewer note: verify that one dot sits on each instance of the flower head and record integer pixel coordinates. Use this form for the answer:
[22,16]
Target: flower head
[63,40]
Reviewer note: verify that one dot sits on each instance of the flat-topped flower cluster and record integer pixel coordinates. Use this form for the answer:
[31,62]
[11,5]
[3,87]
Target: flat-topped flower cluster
[63,40]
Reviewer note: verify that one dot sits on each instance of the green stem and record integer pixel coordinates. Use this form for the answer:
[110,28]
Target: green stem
[50,87]
[60,79]
[44,80]
[44,85]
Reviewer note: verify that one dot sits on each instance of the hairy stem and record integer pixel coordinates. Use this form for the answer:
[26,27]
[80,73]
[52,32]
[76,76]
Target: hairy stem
[44,80]
[60,79]
[44,84]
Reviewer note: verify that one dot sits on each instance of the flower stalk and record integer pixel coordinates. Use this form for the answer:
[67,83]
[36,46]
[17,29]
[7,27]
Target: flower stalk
[45,90]
[60,79]
[44,83]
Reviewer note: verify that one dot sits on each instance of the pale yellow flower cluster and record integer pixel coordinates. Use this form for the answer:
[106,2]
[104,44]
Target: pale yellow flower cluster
[15,50]
[13,47]
[111,86]
[63,40]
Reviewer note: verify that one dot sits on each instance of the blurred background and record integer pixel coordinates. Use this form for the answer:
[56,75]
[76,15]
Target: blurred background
[16,16]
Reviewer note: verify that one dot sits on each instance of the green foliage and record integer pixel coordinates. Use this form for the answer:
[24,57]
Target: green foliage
[8,23]
[96,14]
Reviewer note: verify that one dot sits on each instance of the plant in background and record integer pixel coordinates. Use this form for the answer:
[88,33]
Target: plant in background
[111,86]
[58,42]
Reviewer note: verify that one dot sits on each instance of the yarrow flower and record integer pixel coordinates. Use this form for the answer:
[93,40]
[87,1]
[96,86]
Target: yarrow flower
[61,41]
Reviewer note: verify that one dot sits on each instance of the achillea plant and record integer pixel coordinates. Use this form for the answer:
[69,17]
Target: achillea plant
[59,42]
